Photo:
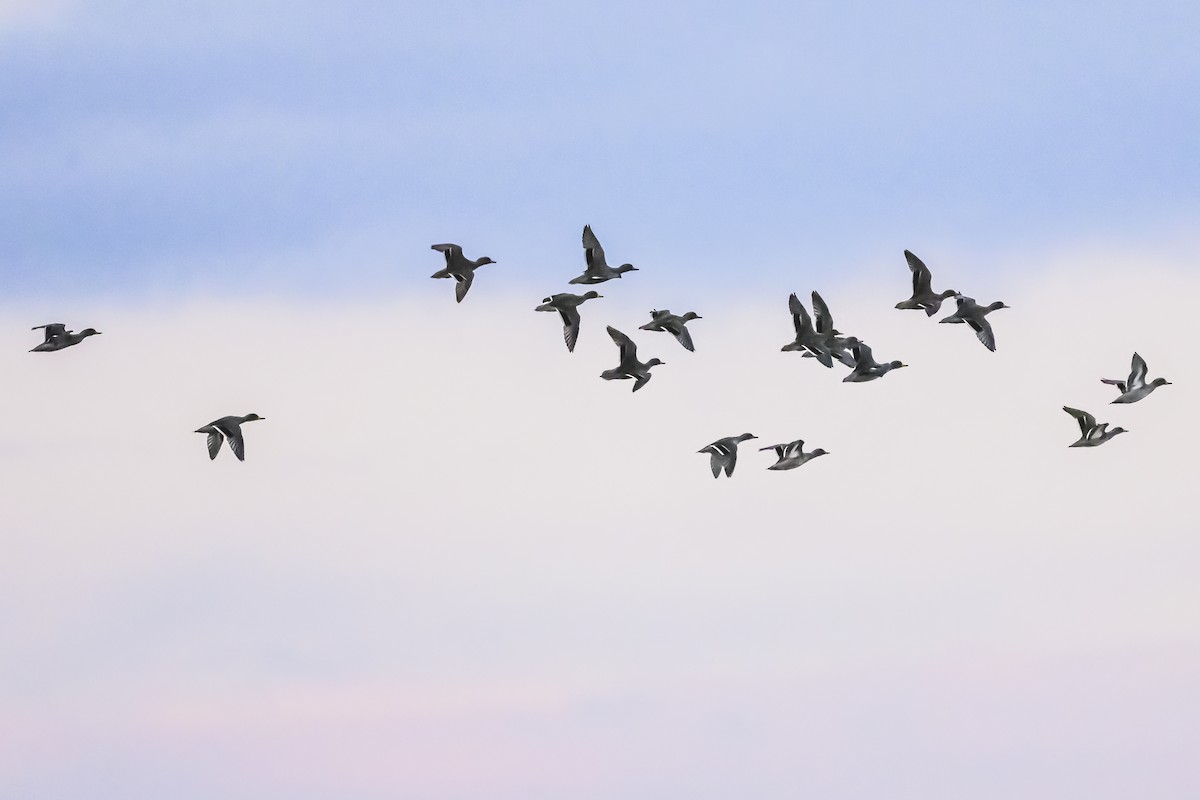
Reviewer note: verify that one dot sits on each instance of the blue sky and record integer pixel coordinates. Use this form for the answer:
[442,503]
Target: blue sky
[298,148]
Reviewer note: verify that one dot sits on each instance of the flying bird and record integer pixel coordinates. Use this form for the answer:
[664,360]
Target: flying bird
[834,343]
[1134,388]
[923,296]
[629,367]
[866,368]
[807,337]
[975,315]
[459,267]
[227,428]
[723,453]
[673,324]
[792,455]
[58,337]
[567,306]
[598,270]
[1091,434]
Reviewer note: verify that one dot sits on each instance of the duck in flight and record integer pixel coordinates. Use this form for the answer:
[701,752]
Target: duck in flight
[975,315]
[459,267]
[1090,433]
[723,453]
[1134,387]
[673,324]
[923,296]
[598,270]
[629,367]
[58,337]
[567,306]
[866,368]
[808,339]
[834,343]
[792,455]
[227,428]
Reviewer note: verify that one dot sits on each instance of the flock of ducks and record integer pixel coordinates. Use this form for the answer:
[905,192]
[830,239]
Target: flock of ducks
[1132,389]
[815,338]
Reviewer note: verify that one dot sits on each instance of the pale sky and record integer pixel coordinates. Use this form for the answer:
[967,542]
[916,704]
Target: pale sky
[456,563]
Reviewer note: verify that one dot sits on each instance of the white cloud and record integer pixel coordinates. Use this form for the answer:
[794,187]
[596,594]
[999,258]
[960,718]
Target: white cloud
[452,540]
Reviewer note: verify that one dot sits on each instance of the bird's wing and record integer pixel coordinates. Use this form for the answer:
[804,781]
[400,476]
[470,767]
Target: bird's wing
[681,334]
[657,316]
[983,331]
[1086,421]
[730,463]
[462,283]
[593,250]
[236,443]
[800,316]
[1114,382]
[821,312]
[570,319]
[780,449]
[921,275]
[53,329]
[822,355]
[628,348]
[1137,371]
[715,461]
[214,440]
[452,252]
[845,356]
[863,357]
